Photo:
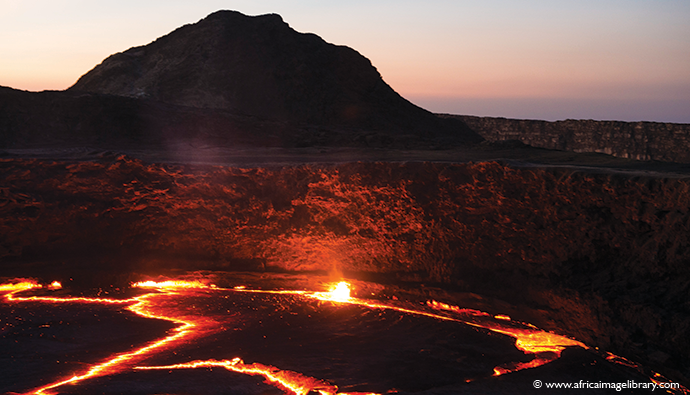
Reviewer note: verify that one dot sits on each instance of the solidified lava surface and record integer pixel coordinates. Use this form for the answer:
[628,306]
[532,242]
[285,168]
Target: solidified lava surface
[355,346]
[601,257]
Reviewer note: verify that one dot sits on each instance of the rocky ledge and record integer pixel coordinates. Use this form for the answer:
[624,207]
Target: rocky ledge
[646,141]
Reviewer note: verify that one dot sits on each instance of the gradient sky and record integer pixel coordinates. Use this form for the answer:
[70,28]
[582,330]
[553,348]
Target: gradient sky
[600,59]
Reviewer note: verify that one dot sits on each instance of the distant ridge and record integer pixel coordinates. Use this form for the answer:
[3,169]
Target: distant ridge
[645,141]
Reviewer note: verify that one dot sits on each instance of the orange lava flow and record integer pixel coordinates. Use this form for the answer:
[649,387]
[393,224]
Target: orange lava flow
[339,292]
[531,341]
[545,346]
[19,287]
[171,284]
[286,380]
[140,305]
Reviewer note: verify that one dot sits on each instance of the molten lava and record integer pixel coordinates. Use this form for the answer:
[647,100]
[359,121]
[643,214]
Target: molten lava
[171,284]
[290,381]
[339,292]
[140,305]
[161,302]
[18,287]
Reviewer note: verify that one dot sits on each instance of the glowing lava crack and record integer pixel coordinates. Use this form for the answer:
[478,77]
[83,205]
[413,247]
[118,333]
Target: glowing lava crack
[156,304]
[287,380]
[139,305]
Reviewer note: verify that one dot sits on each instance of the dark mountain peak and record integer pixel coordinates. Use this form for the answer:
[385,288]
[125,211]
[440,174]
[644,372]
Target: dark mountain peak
[227,80]
[255,65]
[259,66]
[236,17]
[199,65]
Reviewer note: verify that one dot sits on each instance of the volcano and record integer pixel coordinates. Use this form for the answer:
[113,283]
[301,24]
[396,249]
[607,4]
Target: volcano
[262,160]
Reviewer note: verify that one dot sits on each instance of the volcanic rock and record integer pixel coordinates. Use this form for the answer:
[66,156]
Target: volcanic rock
[259,66]
[648,141]
[600,257]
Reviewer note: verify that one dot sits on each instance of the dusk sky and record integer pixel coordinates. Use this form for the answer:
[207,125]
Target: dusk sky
[536,59]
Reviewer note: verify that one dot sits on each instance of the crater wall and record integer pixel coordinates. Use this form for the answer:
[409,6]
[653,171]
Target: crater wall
[601,257]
